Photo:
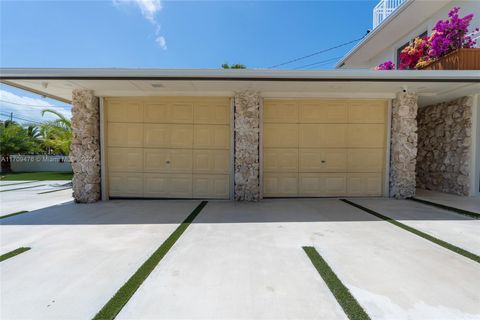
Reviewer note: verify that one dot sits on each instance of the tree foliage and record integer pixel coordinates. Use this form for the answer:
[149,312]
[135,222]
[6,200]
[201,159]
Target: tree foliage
[234,66]
[16,139]
[56,135]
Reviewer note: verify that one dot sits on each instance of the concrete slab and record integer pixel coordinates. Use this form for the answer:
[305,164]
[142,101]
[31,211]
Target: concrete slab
[244,260]
[81,254]
[457,229]
[19,183]
[465,203]
[31,199]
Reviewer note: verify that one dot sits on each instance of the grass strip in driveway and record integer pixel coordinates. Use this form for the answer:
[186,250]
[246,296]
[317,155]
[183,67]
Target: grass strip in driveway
[348,302]
[449,208]
[13,214]
[13,253]
[56,190]
[40,185]
[446,245]
[121,297]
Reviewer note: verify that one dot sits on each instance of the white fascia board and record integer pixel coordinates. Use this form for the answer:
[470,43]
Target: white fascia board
[246,74]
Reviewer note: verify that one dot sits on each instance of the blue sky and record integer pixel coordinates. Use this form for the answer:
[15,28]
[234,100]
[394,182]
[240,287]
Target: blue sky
[172,34]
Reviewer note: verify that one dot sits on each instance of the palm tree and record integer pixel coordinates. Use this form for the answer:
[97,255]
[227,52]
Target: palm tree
[56,134]
[14,139]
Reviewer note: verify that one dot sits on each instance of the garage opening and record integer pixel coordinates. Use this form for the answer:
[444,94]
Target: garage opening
[324,148]
[168,147]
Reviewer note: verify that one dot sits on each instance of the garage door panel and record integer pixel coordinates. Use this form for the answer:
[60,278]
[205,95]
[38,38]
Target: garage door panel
[214,186]
[323,136]
[280,160]
[181,136]
[156,112]
[323,160]
[167,185]
[168,112]
[366,135]
[156,160]
[211,161]
[124,112]
[181,113]
[157,135]
[168,136]
[123,184]
[365,184]
[335,184]
[280,111]
[212,137]
[212,112]
[156,185]
[125,135]
[322,184]
[180,186]
[125,159]
[181,160]
[367,111]
[280,184]
[366,160]
[310,185]
[280,136]
[323,111]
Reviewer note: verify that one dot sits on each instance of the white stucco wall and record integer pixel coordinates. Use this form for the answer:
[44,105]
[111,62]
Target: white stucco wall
[466,7]
[27,163]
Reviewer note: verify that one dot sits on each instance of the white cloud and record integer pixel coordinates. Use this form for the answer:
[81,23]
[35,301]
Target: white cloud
[161,42]
[26,109]
[149,9]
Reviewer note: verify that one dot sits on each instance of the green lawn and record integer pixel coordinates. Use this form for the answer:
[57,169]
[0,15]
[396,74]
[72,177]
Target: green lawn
[38,176]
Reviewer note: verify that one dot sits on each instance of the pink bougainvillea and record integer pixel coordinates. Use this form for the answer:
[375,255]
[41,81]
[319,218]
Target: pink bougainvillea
[387,65]
[414,53]
[450,35]
[447,36]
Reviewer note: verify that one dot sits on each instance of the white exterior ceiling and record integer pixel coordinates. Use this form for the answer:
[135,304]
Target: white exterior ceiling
[432,86]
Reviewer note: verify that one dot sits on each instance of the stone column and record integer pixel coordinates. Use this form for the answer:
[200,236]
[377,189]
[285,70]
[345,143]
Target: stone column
[403,150]
[247,106]
[85,148]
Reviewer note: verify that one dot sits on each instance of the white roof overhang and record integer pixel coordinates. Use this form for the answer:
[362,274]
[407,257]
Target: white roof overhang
[432,86]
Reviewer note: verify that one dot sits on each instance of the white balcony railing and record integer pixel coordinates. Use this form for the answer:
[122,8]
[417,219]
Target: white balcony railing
[383,9]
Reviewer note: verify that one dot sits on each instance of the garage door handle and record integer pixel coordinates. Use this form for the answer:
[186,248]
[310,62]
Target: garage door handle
[167,162]
[323,161]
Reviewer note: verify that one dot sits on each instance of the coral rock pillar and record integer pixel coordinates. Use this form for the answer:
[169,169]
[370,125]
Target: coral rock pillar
[85,148]
[403,152]
[247,106]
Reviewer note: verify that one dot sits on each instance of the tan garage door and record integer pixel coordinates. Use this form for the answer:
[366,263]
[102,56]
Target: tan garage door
[168,147]
[321,148]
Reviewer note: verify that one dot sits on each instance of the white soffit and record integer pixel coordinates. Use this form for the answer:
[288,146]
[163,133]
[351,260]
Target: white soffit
[59,83]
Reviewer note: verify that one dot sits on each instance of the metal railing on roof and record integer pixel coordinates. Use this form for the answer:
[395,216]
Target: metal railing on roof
[383,9]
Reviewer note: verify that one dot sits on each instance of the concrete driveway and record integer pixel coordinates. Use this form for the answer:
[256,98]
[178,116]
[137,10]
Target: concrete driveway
[238,261]
[26,195]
